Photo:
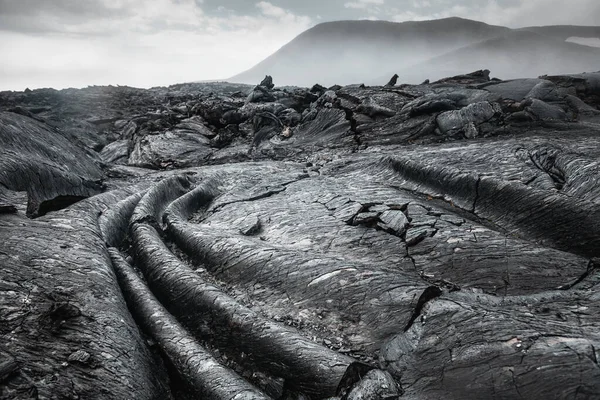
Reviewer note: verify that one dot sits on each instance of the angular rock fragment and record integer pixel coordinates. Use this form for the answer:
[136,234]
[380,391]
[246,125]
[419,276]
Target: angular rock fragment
[376,384]
[80,357]
[392,81]
[198,126]
[365,218]
[394,220]
[348,211]
[544,111]
[467,120]
[372,109]
[116,152]
[250,225]
[267,82]
[415,235]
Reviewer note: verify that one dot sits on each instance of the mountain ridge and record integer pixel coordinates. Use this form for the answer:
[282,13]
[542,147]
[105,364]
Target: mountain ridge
[527,50]
[343,52]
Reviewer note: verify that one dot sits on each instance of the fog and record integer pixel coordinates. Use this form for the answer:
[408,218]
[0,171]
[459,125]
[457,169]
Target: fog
[592,42]
[67,43]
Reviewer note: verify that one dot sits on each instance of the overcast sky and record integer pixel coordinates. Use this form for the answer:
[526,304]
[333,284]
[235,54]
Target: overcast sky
[75,43]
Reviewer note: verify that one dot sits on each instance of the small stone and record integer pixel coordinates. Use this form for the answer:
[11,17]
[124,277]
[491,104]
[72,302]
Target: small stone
[376,384]
[454,220]
[287,132]
[80,356]
[347,212]
[337,202]
[416,235]
[250,226]
[378,208]
[394,220]
[471,131]
[365,218]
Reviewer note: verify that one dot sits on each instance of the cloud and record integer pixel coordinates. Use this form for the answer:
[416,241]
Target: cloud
[362,4]
[284,16]
[421,4]
[156,42]
[592,42]
[512,13]
[98,17]
[165,42]
[271,10]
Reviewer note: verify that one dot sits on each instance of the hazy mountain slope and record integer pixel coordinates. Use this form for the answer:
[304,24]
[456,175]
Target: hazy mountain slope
[518,54]
[353,51]
[563,32]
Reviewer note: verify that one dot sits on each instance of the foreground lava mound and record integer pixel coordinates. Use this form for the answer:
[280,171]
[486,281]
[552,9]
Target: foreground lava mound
[223,241]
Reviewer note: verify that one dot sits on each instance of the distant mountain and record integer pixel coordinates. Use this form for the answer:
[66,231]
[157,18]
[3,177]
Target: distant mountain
[563,32]
[345,52]
[517,54]
[585,35]
[351,51]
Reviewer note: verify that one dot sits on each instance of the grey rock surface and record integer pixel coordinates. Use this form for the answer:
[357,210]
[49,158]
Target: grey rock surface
[231,241]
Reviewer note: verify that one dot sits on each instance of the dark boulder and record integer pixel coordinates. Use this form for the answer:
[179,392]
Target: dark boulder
[260,94]
[267,82]
[392,82]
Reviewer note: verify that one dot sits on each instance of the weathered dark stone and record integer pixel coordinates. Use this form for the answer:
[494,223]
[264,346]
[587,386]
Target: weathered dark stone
[393,81]
[267,82]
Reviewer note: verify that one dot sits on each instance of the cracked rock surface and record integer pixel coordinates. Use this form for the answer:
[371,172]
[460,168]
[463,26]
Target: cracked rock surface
[226,241]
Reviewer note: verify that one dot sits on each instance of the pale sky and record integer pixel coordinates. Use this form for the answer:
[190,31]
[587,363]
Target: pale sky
[144,43]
